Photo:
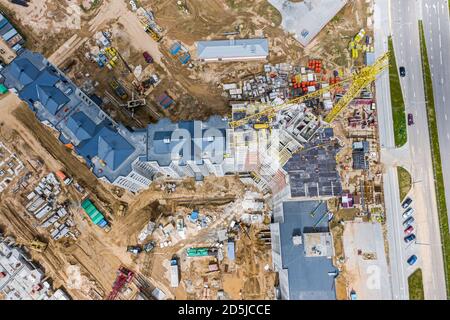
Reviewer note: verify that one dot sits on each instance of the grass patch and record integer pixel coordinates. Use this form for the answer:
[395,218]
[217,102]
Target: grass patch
[398,105]
[404,182]
[415,285]
[436,156]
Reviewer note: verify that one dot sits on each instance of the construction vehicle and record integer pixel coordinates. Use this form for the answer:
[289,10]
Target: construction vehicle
[35,245]
[118,89]
[124,276]
[134,249]
[148,247]
[155,36]
[359,80]
[61,175]
[122,209]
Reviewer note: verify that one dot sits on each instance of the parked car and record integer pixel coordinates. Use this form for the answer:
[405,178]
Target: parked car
[408,222]
[408,213]
[406,203]
[410,238]
[409,230]
[411,260]
[402,71]
[410,119]
[148,58]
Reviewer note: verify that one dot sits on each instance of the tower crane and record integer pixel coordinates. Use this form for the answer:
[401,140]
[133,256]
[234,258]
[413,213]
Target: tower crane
[359,80]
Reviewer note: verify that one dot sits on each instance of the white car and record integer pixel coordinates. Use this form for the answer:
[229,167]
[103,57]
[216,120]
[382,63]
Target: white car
[408,213]
[133,5]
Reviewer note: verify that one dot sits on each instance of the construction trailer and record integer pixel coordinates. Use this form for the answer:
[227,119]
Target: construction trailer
[201,252]
[124,277]
[174,274]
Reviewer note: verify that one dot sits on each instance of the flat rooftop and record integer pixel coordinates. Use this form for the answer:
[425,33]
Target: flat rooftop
[306,19]
[308,277]
[232,49]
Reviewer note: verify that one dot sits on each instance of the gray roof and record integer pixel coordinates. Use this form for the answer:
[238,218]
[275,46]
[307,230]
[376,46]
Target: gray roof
[307,276]
[187,140]
[226,49]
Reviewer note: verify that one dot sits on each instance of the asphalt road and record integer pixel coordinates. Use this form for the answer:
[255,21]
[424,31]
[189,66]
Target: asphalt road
[398,279]
[435,16]
[417,158]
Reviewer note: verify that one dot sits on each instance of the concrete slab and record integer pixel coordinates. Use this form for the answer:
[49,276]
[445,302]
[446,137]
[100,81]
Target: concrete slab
[306,19]
[367,275]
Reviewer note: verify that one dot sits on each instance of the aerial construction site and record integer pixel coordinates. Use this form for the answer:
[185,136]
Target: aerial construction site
[190,150]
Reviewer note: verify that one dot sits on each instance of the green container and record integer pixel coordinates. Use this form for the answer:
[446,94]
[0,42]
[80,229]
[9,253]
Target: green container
[3,89]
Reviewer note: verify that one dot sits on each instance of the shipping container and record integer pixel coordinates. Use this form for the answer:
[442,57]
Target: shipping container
[174,276]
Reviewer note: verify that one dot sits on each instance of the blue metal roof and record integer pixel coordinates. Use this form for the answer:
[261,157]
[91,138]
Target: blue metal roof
[239,48]
[81,126]
[308,276]
[43,89]
[186,139]
[107,145]
[23,70]
[113,149]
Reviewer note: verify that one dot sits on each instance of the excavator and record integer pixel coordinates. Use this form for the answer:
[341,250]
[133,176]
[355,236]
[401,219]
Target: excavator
[35,245]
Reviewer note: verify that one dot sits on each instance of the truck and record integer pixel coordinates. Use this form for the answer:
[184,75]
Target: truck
[174,276]
[96,216]
[149,246]
[61,175]
[134,249]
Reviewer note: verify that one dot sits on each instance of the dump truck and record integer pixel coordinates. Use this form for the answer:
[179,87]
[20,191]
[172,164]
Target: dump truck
[61,175]
[96,216]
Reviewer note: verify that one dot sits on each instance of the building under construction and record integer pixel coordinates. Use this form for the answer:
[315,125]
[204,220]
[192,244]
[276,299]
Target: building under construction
[20,278]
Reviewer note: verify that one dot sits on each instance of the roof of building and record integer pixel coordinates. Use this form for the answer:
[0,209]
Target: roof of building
[187,141]
[81,125]
[360,149]
[239,48]
[109,148]
[308,277]
[24,70]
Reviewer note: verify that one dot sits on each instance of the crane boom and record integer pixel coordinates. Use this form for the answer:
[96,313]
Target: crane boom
[359,80]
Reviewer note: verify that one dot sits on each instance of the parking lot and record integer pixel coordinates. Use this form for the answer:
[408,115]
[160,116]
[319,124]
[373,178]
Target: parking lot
[366,263]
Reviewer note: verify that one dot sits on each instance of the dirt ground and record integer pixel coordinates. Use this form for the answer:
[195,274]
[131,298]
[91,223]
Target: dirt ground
[95,255]
[196,90]
[198,95]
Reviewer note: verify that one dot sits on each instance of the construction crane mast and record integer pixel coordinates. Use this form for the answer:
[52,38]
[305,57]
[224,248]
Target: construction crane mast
[359,80]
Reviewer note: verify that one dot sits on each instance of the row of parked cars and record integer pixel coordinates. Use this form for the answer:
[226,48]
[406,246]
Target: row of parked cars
[409,229]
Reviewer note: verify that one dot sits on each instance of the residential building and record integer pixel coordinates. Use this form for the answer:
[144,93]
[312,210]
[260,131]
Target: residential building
[127,158]
[20,278]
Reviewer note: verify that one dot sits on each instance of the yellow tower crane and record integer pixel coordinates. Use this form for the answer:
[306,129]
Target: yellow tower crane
[359,80]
